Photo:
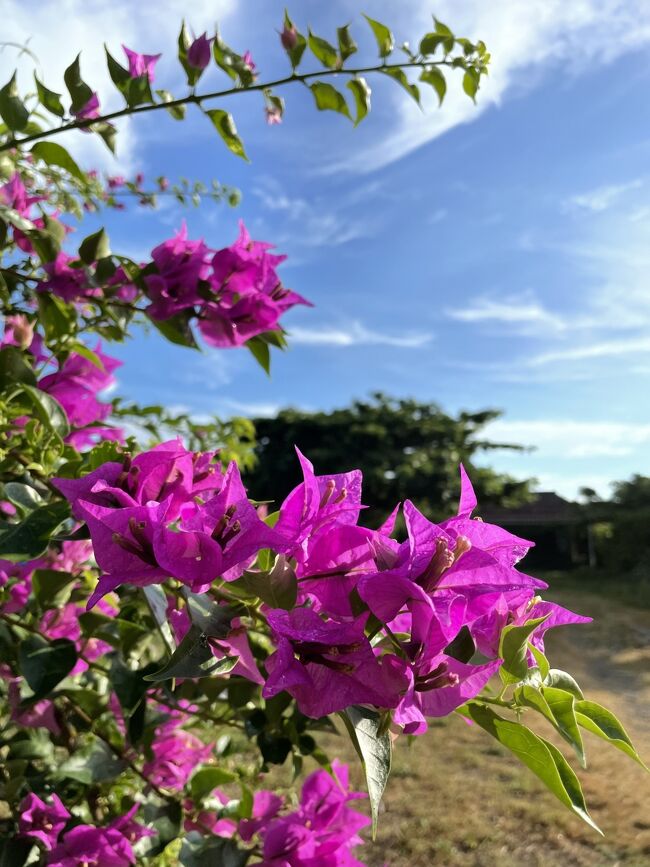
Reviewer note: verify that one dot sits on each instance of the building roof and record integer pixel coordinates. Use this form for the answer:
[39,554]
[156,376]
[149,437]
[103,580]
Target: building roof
[547,507]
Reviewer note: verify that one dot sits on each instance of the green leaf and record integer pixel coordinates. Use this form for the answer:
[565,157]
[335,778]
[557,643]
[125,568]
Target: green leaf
[278,588]
[48,410]
[209,616]
[192,73]
[57,317]
[31,537]
[399,76]
[361,92]
[602,722]
[177,329]
[437,81]
[94,247]
[120,76]
[513,650]
[51,587]
[176,111]
[88,354]
[49,99]
[107,132]
[543,759]
[192,658]
[328,98]
[23,496]
[374,750]
[447,35]
[430,42]
[79,91]
[97,764]
[157,602]
[541,660]
[12,110]
[225,125]
[44,664]
[383,36]
[347,45]
[14,367]
[323,51]
[261,352]
[558,708]
[471,82]
[462,647]
[55,155]
[562,705]
[563,680]
[207,779]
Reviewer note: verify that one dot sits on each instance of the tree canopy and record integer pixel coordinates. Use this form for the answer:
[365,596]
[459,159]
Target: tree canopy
[406,449]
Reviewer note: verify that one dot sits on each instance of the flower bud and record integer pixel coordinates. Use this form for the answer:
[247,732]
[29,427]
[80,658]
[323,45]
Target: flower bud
[198,54]
[22,330]
[289,37]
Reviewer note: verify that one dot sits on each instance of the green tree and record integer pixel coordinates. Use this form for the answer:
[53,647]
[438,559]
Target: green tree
[406,449]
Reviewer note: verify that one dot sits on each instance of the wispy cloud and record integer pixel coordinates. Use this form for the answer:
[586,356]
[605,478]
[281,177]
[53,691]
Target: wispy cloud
[522,310]
[602,198]
[526,39]
[319,225]
[571,439]
[356,334]
[600,349]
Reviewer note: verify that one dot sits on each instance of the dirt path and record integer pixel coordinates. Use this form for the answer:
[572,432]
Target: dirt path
[457,799]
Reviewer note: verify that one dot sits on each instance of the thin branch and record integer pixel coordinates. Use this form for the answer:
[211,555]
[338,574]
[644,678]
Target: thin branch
[197,99]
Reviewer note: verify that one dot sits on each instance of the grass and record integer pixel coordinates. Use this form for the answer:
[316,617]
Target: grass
[456,798]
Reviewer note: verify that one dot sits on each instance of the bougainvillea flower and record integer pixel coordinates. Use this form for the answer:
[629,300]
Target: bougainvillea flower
[75,386]
[178,266]
[44,822]
[69,283]
[199,53]
[337,557]
[288,843]
[123,545]
[88,111]
[92,847]
[328,666]
[317,502]
[437,687]
[129,828]
[266,806]
[176,754]
[218,538]
[141,64]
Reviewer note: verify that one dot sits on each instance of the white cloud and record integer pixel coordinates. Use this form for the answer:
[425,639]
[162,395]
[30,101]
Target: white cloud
[601,198]
[355,334]
[525,38]
[311,223]
[522,310]
[599,349]
[570,439]
[257,409]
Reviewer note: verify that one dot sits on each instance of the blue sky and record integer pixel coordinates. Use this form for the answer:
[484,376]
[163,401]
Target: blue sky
[478,256]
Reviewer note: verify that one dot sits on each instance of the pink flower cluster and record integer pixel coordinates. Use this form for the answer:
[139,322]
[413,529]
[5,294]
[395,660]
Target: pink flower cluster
[111,846]
[75,384]
[321,832]
[170,512]
[235,293]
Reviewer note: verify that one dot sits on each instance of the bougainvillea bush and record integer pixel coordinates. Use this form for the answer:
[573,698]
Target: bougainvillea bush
[165,639]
